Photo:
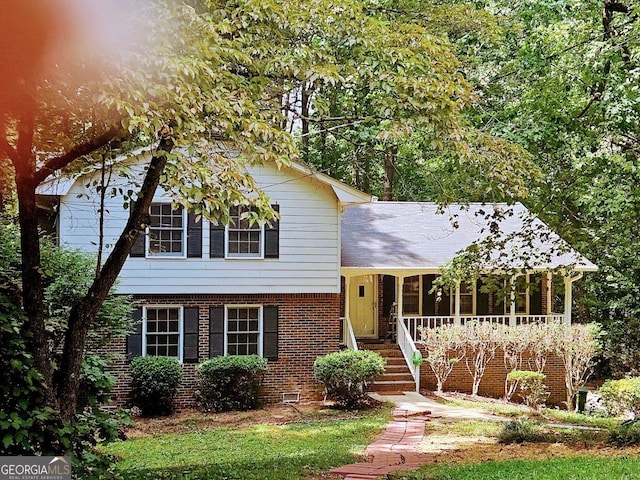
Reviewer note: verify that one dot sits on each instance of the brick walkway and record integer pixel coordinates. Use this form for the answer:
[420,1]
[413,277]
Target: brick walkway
[395,449]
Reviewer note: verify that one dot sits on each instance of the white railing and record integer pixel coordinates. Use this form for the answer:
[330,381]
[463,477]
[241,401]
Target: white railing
[413,324]
[408,348]
[349,338]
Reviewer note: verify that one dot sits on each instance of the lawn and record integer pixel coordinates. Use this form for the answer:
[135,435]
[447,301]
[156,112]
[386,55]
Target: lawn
[574,468]
[263,451]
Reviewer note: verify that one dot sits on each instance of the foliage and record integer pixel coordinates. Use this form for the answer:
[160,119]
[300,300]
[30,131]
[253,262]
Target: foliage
[521,431]
[445,348]
[260,452]
[154,384]
[346,374]
[531,387]
[621,396]
[481,342]
[231,382]
[577,347]
[626,434]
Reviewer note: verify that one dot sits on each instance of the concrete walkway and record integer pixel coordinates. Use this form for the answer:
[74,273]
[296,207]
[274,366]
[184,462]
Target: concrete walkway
[397,447]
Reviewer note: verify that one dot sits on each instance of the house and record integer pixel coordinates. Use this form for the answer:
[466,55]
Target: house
[324,276]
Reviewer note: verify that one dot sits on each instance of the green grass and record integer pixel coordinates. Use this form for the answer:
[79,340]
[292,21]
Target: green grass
[265,451]
[575,468]
[465,428]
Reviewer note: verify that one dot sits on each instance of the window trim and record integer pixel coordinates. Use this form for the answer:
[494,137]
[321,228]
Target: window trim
[236,256]
[180,328]
[160,256]
[260,308]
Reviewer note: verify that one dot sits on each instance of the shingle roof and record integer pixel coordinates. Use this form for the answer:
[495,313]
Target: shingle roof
[395,235]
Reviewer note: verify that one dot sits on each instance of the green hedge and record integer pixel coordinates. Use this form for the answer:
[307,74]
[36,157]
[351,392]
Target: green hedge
[154,384]
[346,374]
[231,382]
[620,396]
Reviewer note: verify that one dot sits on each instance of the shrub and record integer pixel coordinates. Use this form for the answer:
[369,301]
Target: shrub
[620,396]
[346,374]
[531,387]
[231,382]
[521,431]
[625,434]
[155,381]
[445,348]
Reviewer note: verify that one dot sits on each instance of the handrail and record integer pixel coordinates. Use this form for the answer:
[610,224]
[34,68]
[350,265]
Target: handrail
[408,348]
[349,336]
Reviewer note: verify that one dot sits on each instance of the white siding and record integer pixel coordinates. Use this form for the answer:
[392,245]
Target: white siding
[309,246]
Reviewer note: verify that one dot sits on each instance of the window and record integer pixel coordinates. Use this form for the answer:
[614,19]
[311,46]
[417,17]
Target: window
[244,240]
[411,295]
[162,331]
[166,231]
[466,298]
[244,327]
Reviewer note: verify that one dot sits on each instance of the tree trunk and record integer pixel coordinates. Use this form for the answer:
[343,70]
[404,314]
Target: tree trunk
[85,310]
[389,169]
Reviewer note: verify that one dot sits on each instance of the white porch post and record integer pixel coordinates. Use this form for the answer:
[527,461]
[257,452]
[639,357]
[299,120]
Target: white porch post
[347,305]
[567,300]
[549,294]
[457,304]
[512,305]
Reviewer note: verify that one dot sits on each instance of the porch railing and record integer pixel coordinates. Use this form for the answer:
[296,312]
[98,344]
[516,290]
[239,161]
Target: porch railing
[408,348]
[413,323]
[349,338]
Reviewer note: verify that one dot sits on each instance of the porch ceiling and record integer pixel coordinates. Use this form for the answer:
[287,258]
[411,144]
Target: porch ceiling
[412,236]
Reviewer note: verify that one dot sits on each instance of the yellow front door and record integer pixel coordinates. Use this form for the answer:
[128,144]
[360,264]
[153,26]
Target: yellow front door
[363,312]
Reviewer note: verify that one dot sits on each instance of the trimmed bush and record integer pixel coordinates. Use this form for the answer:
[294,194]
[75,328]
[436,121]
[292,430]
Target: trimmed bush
[231,382]
[625,434]
[154,384]
[521,431]
[620,396]
[346,374]
[530,387]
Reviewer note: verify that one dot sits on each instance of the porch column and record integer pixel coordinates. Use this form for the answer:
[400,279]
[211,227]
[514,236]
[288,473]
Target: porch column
[457,305]
[347,306]
[512,297]
[549,294]
[567,300]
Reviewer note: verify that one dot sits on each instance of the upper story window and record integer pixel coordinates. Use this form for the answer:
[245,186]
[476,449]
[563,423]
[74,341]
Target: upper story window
[162,331]
[167,231]
[244,240]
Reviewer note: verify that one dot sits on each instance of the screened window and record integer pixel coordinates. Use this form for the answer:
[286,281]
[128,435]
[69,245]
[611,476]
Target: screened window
[411,295]
[244,330]
[243,238]
[163,331]
[166,231]
[466,298]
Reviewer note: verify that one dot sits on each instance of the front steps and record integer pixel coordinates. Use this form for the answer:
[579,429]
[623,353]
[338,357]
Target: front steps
[397,376]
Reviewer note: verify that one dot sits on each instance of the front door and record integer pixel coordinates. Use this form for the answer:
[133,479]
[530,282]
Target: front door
[363,311]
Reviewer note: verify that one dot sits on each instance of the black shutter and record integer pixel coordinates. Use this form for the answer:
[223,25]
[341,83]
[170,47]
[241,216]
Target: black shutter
[272,237]
[216,331]
[137,250]
[134,340]
[428,299]
[194,236]
[270,333]
[482,299]
[190,345]
[535,296]
[216,241]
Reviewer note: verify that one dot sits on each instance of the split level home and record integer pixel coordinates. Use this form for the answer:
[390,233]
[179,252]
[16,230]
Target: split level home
[338,269]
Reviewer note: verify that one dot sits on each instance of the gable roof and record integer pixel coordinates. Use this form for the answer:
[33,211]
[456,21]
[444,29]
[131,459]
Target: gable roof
[415,235]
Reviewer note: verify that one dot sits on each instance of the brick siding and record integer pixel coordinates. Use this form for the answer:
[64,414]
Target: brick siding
[308,326]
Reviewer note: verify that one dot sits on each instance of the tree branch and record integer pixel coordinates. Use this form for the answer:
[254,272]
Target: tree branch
[76,152]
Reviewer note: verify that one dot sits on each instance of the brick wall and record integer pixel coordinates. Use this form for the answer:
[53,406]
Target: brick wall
[308,326]
[492,384]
